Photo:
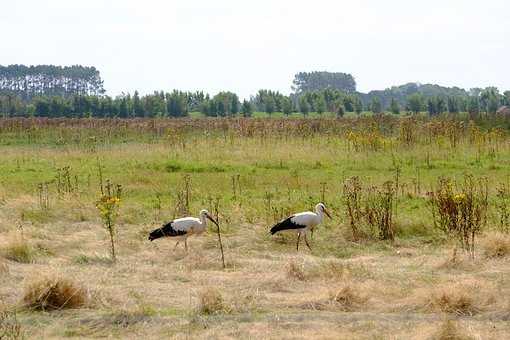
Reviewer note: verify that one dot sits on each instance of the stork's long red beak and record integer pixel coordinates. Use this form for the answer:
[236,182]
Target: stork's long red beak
[327,213]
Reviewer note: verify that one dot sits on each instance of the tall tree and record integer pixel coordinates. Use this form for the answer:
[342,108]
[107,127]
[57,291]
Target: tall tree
[246,108]
[358,105]
[320,104]
[137,105]
[304,107]
[287,106]
[376,105]
[313,81]
[415,103]
[394,107]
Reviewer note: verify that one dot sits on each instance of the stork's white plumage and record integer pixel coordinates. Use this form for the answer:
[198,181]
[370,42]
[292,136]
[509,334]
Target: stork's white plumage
[302,223]
[181,228]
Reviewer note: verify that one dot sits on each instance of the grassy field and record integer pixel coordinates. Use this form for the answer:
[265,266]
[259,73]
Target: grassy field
[250,173]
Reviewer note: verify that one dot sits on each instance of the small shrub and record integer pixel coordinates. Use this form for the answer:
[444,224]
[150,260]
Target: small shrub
[352,196]
[211,302]
[460,215]
[347,299]
[455,300]
[20,251]
[496,245]
[379,210]
[371,208]
[52,294]
[108,206]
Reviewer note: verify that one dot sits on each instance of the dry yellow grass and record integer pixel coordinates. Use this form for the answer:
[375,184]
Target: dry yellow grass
[458,299]
[53,294]
[496,245]
[450,330]
[348,298]
[211,302]
[152,286]
[19,250]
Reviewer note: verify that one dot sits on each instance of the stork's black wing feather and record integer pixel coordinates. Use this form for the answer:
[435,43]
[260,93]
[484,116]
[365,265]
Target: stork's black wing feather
[286,224]
[166,230]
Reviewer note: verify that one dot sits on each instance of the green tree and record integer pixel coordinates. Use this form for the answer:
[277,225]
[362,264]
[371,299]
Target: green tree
[415,103]
[270,105]
[394,107]
[507,97]
[493,104]
[123,107]
[339,108]
[234,104]
[376,105]
[473,105]
[137,105]
[358,105]
[287,106]
[320,105]
[313,81]
[246,108]
[453,104]
[304,107]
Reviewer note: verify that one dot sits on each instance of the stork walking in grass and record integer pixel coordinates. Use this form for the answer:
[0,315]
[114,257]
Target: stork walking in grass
[302,223]
[181,228]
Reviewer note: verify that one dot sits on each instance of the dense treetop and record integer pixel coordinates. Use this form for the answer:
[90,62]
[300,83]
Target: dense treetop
[31,81]
[313,81]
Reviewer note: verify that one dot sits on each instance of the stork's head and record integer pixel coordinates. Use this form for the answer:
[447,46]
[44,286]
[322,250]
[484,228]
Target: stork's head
[205,214]
[321,208]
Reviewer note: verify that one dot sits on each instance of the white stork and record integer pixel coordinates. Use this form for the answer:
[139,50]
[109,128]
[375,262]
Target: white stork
[302,223]
[181,228]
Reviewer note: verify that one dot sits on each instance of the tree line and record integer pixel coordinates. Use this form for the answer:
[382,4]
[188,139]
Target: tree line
[180,104]
[77,91]
[27,82]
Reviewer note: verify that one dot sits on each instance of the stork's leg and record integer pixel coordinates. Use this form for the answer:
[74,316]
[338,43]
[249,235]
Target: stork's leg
[176,245]
[312,233]
[186,244]
[298,237]
[306,241]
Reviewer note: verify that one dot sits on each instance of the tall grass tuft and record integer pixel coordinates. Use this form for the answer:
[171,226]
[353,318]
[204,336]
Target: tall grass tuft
[211,302]
[19,250]
[496,246]
[54,294]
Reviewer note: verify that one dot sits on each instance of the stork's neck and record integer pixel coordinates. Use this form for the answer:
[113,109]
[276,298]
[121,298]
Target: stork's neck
[203,219]
[320,214]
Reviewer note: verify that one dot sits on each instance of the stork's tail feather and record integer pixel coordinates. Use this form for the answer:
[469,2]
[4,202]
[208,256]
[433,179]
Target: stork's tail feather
[285,225]
[165,231]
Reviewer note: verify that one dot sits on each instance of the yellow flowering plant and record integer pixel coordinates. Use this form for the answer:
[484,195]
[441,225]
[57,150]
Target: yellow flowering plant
[108,205]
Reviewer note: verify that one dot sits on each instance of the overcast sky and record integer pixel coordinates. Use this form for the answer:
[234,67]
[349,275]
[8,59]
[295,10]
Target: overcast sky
[245,45]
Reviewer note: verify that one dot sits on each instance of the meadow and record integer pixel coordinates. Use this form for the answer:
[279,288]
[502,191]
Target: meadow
[405,193]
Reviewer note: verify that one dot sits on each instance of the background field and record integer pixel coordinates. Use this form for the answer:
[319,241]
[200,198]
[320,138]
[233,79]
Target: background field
[251,173]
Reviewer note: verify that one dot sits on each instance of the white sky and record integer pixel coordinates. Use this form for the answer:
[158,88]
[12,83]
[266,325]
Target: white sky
[245,45]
